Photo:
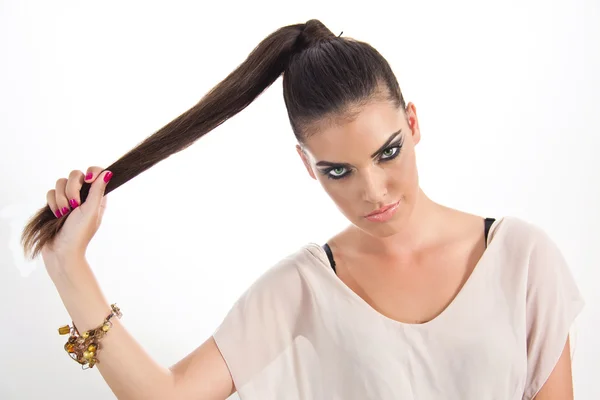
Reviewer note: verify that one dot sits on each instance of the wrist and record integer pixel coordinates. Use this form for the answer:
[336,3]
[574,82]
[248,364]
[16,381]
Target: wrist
[80,293]
[70,272]
[63,263]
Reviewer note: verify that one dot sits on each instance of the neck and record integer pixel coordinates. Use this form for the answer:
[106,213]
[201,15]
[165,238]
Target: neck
[418,231]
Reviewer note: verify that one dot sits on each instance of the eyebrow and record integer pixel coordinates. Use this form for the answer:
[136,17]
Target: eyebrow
[374,155]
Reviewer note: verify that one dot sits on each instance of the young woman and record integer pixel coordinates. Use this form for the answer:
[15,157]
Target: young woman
[413,300]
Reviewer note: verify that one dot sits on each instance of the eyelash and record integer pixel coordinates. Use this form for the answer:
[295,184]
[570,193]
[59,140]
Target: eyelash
[398,147]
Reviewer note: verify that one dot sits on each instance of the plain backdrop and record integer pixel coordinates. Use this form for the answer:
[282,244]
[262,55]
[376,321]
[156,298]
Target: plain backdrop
[507,94]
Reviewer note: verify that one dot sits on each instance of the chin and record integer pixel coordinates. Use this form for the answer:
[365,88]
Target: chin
[380,230]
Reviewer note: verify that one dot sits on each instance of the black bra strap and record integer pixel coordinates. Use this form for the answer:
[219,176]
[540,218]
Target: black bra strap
[329,255]
[488,224]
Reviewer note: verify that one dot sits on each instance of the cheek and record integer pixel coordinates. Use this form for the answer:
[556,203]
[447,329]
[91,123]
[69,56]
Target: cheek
[405,171]
[400,177]
[341,194]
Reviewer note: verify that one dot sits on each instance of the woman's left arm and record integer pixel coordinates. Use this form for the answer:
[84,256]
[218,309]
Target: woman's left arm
[559,385]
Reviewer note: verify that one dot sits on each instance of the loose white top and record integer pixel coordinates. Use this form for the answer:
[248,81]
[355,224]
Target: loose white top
[300,333]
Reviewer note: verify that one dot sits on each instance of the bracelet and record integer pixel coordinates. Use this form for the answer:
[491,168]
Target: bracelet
[83,348]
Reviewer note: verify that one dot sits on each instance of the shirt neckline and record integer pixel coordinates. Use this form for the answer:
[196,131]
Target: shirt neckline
[321,256]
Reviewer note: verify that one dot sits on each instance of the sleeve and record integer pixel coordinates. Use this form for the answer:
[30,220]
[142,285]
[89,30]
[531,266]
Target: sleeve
[553,302]
[262,323]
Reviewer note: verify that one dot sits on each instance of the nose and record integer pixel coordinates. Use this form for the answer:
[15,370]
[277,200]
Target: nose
[374,188]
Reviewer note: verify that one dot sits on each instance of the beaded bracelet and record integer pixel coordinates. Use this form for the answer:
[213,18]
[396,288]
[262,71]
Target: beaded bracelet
[83,348]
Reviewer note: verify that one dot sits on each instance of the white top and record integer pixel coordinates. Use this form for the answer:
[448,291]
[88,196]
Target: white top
[300,333]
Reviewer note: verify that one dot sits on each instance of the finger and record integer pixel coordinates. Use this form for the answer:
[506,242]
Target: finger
[98,187]
[51,200]
[61,199]
[73,188]
[92,173]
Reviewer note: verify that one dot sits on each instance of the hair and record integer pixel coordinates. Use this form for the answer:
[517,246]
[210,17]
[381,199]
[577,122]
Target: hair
[324,76]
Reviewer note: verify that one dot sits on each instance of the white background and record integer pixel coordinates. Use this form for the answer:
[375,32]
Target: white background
[507,94]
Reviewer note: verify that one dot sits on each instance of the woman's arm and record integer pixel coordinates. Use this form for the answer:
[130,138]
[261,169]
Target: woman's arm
[129,371]
[205,364]
[559,385]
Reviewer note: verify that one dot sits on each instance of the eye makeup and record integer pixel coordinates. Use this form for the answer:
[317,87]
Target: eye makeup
[342,170]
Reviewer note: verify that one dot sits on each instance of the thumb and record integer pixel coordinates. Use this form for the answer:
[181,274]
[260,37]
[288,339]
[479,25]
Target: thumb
[97,189]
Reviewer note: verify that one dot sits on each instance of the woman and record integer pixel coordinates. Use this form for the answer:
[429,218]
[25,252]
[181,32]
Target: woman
[413,300]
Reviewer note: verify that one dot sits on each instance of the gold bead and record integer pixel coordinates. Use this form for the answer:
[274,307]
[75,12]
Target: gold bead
[88,354]
[92,347]
[105,327]
[85,335]
[69,347]
[64,330]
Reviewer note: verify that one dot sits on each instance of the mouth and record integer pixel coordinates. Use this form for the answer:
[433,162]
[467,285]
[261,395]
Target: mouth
[382,210]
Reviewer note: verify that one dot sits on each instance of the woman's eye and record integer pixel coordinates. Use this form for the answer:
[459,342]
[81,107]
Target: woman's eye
[390,152]
[337,173]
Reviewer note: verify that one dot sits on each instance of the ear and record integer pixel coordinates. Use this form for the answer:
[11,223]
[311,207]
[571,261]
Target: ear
[305,160]
[413,122]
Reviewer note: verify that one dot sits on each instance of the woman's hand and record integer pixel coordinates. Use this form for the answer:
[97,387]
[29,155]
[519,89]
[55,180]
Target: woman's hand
[83,220]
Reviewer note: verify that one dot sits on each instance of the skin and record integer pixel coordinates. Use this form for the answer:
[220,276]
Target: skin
[409,248]
[412,245]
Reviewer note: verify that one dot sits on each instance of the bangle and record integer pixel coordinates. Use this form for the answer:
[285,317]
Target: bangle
[83,348]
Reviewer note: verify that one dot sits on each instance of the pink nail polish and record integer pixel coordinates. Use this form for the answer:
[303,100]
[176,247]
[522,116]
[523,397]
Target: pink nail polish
[65,210]
[89,176]
[58,214]
[73,203]
[108,176]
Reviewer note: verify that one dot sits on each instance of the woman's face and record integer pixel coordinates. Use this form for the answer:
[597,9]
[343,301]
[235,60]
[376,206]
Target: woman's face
[367,163]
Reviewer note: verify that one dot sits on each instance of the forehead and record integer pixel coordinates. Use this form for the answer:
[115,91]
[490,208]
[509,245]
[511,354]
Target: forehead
[355,136]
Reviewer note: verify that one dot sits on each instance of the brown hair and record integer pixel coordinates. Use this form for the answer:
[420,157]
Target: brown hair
[324,75]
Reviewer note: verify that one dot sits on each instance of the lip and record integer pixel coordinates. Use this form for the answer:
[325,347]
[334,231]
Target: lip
[383,216]
[382,209]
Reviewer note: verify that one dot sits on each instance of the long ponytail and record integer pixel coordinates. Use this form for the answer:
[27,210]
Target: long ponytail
[322,74]
[261,68]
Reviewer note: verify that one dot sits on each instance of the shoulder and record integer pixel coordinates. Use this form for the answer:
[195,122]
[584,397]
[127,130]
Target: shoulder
[280,292]
[530,249]
[289,272]
[517,234]
[306,256]
[525,249]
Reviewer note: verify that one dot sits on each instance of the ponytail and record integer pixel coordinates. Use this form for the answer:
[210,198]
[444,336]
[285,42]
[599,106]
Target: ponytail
[262,67]
[322,75]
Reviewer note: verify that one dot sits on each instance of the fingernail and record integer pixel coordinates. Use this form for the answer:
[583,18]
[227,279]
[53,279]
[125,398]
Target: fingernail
[58,214]
[89,176]
[108,176]
[65,210]
[73,203]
